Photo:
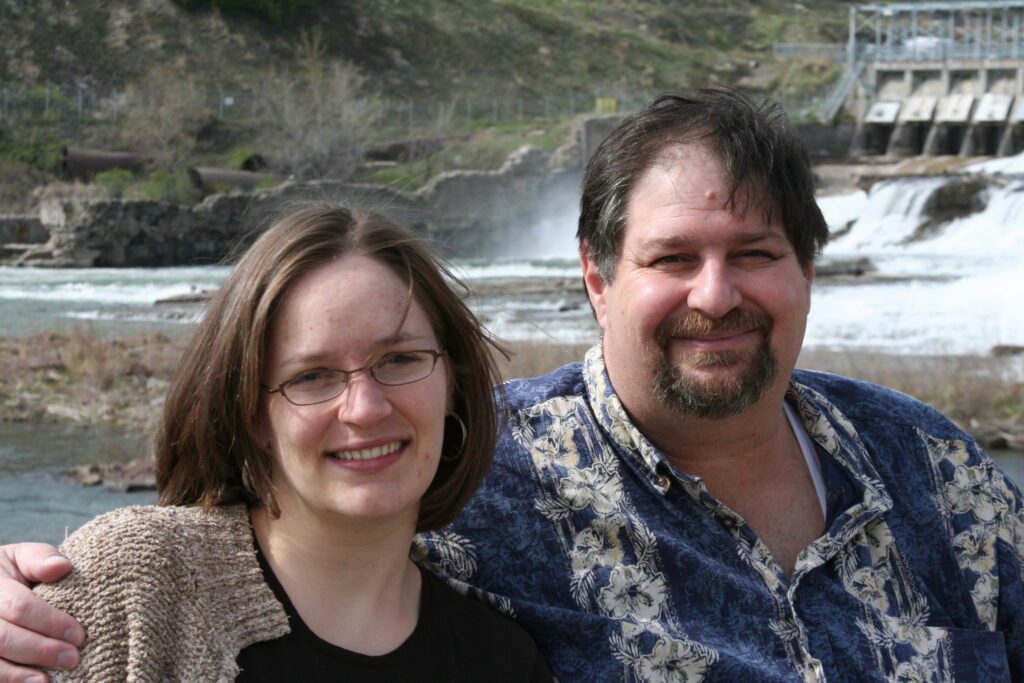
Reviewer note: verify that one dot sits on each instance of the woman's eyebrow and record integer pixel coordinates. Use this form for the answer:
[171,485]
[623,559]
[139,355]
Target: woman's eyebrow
[310,357]
[401,336]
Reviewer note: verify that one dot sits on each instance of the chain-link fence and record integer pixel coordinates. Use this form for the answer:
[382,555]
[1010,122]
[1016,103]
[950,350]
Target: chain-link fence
[83,105]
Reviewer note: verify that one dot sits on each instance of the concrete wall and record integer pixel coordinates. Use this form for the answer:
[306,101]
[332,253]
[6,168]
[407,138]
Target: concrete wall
[827,141]
[22,230]
[465,213]
[894,81]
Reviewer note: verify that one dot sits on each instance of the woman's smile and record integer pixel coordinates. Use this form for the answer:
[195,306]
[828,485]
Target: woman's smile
[366,453]
[369,460]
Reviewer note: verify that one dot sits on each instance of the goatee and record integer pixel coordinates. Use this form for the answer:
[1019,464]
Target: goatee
[714,398]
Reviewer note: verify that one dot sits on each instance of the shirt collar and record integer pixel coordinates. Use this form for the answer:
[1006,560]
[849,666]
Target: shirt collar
[827,426]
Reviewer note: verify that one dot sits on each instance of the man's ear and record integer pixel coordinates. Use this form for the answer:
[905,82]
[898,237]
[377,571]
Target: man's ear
[597,288]
[809,276]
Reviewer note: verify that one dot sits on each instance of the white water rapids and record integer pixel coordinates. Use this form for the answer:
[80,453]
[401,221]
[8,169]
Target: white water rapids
[965,292]
[961,292]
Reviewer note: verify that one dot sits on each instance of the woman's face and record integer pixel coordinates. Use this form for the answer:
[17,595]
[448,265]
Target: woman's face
[370,453]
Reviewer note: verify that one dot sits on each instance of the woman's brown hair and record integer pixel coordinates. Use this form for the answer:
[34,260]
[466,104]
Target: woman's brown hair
[207,449]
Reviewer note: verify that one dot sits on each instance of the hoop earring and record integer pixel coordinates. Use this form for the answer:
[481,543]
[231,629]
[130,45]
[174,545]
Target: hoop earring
[462,446]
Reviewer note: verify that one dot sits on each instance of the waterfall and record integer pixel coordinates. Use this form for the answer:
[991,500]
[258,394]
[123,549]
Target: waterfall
[959,285]
[889,215]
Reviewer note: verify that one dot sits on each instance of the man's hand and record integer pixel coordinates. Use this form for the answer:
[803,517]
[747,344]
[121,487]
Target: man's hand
[31,632]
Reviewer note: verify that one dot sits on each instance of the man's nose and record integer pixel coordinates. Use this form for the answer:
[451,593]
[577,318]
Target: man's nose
[363,401]
[712,290]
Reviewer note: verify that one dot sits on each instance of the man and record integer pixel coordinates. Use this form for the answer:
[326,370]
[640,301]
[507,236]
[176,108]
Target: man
[683,505]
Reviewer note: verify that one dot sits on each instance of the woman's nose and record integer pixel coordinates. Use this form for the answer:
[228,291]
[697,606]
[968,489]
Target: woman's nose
[363,401]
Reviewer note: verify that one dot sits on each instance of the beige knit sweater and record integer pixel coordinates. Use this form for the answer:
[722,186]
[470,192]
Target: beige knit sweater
[165,594]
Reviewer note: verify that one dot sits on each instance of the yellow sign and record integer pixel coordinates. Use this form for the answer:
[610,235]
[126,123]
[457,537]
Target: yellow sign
[606,105]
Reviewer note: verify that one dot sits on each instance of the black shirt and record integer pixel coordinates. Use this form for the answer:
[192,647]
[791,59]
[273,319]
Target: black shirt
[455,639]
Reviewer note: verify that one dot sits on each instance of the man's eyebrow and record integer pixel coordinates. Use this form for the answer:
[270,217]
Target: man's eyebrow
[666,243]
[760,236]
[684,241]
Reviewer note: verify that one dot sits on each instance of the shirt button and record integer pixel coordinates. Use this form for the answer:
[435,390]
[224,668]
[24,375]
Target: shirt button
[661,481]
[729,522]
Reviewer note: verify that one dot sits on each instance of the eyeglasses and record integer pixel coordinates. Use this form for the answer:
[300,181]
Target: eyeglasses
[391,370]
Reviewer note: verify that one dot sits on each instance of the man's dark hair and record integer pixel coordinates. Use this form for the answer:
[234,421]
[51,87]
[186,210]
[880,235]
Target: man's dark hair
[758,149]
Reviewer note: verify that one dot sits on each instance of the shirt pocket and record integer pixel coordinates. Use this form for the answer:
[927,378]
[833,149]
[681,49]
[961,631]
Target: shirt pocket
[978,655]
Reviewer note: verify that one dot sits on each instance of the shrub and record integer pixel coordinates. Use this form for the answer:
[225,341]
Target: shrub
[33,146]
[321,117]
[115,181]
[163,112]
[165,186]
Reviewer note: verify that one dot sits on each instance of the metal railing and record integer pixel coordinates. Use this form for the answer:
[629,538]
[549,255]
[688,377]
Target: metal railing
[833,101]
[938,51]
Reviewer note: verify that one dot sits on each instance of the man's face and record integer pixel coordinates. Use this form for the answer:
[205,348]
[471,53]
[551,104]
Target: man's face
[707,307]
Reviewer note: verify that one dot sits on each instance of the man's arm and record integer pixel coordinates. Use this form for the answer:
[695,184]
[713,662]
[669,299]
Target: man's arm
[31,632]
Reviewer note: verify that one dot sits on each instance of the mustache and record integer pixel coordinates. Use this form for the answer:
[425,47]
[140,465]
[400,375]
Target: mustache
[696,324]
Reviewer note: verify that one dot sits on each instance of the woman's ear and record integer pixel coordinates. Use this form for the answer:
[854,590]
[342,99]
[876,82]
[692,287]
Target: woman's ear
[262,434]
[449,373]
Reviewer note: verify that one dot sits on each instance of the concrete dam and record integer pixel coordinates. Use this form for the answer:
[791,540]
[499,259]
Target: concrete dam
[934,78]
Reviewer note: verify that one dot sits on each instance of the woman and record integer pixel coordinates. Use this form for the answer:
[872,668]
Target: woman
[335,399]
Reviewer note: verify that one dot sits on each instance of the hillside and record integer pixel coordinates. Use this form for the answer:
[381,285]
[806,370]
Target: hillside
[209,82]
[415,48]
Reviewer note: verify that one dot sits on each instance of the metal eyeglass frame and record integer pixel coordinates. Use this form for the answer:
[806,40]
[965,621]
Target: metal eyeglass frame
[347,376]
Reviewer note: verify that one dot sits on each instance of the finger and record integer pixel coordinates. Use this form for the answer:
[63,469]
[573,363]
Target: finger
[22,608]
[16,674]
[33,562]
[21,646]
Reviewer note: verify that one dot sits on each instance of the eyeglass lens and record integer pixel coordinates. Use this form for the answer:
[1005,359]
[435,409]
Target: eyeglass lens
[393,369]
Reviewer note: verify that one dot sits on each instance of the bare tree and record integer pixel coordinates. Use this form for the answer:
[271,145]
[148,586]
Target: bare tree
[163,112]
[320,117]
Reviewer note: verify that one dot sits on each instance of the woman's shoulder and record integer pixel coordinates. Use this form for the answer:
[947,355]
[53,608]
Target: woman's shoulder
[179,576]
[117,551]
[128,533]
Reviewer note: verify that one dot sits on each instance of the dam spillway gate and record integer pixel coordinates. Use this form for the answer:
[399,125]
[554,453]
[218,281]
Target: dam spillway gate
[937,78]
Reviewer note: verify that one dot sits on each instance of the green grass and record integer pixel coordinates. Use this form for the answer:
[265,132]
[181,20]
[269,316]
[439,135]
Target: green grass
[115,181]
[164,186]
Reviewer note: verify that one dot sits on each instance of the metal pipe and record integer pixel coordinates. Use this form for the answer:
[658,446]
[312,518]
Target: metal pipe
[851,42]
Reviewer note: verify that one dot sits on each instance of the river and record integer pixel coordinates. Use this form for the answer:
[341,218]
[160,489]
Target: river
[956,292]
[35,502]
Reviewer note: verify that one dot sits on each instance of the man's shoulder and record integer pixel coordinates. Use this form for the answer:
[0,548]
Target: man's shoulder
[860,400]
[527,392]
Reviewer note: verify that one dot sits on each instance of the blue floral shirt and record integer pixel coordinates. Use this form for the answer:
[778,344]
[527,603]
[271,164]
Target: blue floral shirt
[624,568]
